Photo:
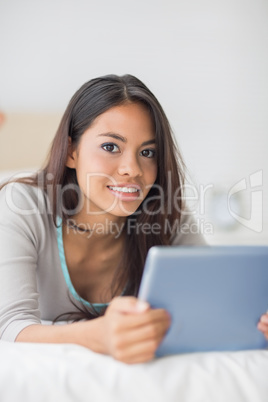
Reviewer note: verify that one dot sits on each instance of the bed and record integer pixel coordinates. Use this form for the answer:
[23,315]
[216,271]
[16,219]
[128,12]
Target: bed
[48,372]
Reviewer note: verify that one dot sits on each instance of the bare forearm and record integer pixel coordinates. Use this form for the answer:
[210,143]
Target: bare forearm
[85,333]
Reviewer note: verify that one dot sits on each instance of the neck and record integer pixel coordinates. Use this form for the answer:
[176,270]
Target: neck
[94,241]
[80,228]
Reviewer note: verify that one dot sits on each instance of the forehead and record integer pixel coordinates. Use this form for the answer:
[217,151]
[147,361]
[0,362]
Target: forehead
[125,119]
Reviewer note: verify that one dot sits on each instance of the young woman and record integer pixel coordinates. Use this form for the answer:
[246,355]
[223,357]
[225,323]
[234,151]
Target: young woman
[74,237]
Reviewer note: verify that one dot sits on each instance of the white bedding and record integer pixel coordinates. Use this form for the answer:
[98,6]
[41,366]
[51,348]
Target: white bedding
[43,372]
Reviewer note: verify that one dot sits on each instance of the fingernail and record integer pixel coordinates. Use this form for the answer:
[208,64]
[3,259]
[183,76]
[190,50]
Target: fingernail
[264,319]
[141,305]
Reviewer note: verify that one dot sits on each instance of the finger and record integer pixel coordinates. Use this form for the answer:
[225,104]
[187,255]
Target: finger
[137,336]
[128,322]
[137,352]
[155,332]
[263,327]
[264,319]
[128,304]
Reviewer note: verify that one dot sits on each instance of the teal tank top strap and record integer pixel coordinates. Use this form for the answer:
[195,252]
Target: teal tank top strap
[95,306]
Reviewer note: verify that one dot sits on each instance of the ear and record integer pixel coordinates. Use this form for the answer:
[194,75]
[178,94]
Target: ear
[70,163]
[2,118]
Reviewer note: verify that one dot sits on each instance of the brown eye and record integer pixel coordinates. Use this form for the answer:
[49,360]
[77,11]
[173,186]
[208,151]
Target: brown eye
[110,147]
[148,153]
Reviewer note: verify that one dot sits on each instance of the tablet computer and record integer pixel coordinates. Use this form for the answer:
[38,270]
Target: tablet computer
[214,294]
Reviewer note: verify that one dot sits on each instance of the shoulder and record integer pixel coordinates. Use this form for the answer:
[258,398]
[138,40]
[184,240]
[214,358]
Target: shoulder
[23,199]
[25,213]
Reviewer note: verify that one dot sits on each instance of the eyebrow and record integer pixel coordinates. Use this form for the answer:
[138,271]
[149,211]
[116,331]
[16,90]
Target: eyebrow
[123,139]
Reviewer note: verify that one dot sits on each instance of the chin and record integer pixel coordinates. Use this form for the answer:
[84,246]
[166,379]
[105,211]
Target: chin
[123,214]
[123,210]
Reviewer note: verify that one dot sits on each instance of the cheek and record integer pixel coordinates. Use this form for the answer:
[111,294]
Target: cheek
[94,164]
[150,178]
[152,174]
[93,173]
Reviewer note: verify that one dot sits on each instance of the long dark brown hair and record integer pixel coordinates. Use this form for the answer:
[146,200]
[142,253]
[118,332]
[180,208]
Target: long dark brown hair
[91,100]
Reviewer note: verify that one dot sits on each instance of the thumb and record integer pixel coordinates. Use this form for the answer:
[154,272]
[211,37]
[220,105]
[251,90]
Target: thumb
[129,304]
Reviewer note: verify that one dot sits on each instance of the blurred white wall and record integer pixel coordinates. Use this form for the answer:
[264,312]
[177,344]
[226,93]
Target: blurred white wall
[206,61]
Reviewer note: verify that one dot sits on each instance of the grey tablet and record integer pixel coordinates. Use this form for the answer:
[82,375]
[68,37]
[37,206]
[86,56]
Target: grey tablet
[215,296]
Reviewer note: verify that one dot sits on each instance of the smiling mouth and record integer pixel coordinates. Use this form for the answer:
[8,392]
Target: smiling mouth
[124,189]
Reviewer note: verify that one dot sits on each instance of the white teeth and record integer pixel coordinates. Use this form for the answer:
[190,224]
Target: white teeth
[124,189]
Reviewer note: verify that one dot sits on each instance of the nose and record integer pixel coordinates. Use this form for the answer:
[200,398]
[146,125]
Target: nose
[129,166]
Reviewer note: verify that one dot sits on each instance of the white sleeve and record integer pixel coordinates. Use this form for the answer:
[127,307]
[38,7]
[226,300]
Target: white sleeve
[18,261]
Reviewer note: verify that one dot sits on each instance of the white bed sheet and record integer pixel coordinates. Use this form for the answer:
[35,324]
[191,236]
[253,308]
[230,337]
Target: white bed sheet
[48,372]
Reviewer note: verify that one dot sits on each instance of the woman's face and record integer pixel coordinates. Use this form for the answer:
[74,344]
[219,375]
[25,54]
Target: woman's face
[115,161]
